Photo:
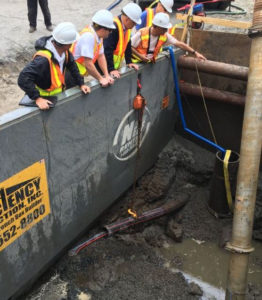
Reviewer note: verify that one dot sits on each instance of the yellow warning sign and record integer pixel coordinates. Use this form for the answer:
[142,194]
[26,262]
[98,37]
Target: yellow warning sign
[24,201]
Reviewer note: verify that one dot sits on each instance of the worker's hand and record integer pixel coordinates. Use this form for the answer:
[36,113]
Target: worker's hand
[85,89]
[115,74]
[103,82]
[42,103]
[153,60]
[145,59]
[200,56]
[110,79]
[133,66]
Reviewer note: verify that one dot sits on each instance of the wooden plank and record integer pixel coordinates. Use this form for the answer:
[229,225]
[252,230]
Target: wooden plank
[190,12]
[216,21]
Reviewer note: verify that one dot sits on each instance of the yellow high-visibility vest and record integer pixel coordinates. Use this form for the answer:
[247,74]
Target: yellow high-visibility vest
[119,52]
[57,77]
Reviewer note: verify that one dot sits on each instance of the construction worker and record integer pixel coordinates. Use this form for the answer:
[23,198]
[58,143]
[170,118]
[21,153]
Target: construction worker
[148,41]
[44,75]
[148,14]
[89,48]
[118,44]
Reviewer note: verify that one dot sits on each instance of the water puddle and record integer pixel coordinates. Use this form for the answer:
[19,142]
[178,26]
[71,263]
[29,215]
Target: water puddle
[207,265]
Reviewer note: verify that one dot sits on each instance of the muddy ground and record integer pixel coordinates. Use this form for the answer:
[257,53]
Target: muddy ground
[132,263]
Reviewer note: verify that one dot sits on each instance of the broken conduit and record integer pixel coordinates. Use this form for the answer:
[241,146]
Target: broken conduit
[128,222]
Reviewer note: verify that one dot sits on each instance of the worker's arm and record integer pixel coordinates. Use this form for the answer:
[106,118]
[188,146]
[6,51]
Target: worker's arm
[31,76]
[128,55]
[183,46]
[186,47]
[91,69]
[103,66]
[73,69]
[135,41]
[37,72]
[141,56]
[173,41]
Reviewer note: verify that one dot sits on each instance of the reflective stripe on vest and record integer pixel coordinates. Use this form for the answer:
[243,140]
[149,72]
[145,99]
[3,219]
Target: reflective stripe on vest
[80,61]
[172,30]
[57,77]
[143,46]
[123,40]
[149,16]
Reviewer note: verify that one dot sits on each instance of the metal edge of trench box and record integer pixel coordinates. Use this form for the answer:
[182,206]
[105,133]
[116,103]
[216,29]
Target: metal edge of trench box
[62,168]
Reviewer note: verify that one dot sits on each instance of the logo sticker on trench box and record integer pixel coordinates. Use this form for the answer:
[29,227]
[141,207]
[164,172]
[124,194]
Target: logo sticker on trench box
[24,201]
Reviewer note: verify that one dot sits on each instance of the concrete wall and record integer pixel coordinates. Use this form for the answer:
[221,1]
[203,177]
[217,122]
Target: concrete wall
[84,174]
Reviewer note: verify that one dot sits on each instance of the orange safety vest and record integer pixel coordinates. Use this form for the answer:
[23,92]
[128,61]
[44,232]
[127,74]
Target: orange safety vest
[149,16]
[80,61]
[119,52]
[149,20]
[144,44]
[57,77]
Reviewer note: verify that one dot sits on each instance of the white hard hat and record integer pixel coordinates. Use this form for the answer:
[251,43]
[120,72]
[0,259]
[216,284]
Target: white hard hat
[65,33]
[104,18]
[168,4]
[133,11]
[162,20]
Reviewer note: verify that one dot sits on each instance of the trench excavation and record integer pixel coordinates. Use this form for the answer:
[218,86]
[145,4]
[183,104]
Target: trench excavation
[111,267]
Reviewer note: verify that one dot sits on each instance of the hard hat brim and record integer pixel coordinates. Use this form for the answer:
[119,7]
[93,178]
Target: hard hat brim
[138,22]
[165,27]
[113,26]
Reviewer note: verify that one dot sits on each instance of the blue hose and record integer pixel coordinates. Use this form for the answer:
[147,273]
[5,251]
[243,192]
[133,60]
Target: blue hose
[180,107]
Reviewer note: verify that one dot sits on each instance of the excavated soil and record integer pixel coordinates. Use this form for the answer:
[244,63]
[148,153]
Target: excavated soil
[131,264]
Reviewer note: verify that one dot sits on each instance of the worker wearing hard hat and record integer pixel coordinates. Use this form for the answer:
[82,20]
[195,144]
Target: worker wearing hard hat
[148,41]
[148,14]
[89,48]
[45,74]
[118,44]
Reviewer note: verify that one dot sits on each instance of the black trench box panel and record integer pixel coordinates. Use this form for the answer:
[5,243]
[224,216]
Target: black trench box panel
[60,169]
